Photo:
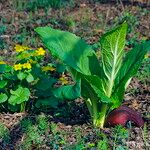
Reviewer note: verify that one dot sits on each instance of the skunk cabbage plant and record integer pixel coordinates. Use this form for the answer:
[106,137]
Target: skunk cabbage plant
[102,81]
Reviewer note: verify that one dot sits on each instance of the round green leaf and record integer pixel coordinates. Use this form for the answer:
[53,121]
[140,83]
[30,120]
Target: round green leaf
[30,78]
[21,75]
[3,98]
[18,96]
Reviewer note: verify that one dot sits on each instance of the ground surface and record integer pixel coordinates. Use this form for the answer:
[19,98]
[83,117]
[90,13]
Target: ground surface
[88,20]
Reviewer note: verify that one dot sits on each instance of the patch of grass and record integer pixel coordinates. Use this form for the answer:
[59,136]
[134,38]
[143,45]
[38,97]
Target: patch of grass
[145,137]
[3,29]
[32,138]
[4,134]
[57,138]
[130,18]
[103,145]
[144,72]
[37,4]
[2,43]
[119,135]
[33,132]
[42,123]
[133,23]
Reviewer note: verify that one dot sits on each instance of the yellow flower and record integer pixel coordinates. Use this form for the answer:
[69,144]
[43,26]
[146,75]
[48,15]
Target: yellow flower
[2,62]
[20,48]
[17,67]
[26,65]
[40,51]
[63,80]
[48,68]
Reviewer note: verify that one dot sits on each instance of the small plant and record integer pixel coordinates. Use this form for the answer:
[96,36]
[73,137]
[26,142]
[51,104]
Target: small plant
[42,123]
[56,138]
[32,135]
[119,134]
[145,136]
[103,82]
[35,131]
[103,145]
[103,142]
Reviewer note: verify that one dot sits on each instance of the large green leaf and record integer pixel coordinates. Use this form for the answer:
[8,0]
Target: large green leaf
[96,84]
[70,49]
[18,96]
[3,97]
[112,45]
[68,92]
[129,68]
[45,82]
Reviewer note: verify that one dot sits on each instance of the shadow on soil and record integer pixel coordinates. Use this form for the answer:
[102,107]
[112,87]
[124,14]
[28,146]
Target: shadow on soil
[66,114]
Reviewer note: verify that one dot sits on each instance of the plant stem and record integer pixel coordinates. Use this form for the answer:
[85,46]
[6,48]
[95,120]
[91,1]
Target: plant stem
[99,116]
[95,112]
[22,107]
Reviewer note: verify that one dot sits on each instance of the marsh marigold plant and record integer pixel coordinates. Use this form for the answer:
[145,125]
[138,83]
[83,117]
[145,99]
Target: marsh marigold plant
[29,76]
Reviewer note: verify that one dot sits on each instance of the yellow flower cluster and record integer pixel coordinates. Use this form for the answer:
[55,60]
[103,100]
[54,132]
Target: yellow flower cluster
[20,48]
[22,66]
[48,68]
[40,51]
[63,80]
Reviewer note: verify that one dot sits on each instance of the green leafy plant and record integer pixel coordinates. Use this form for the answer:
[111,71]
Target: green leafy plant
[103,82]
[56,138]
[119,134]
[42,123]
[28,82]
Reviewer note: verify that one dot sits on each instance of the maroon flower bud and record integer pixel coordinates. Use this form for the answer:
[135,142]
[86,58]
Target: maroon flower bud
[122,115]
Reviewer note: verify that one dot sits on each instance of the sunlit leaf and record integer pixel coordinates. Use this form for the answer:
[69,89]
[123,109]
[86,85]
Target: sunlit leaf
[70,49]
[18,96]
[112,45]
[3,97]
